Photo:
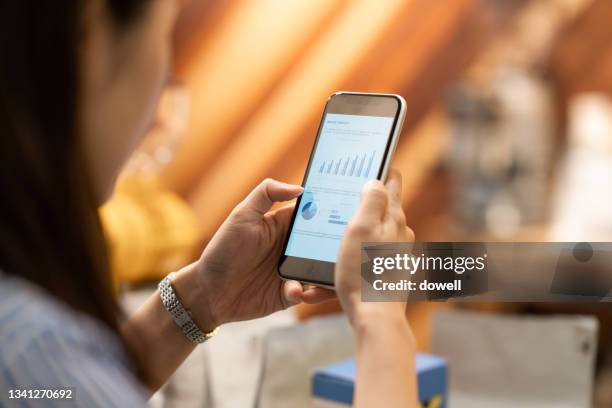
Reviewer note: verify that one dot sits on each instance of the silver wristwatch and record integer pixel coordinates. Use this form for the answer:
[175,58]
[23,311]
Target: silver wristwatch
[181,316]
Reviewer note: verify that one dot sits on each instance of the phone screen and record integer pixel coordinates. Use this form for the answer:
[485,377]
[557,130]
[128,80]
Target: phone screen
[349,151]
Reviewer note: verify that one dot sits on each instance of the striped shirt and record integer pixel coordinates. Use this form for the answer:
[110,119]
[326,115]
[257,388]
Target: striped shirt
[46,345]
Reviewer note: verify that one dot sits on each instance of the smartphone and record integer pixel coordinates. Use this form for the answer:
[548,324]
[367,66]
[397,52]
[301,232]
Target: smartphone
[355,142]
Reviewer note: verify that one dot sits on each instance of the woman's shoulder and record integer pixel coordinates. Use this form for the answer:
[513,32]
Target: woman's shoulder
[28,314]
[43,343]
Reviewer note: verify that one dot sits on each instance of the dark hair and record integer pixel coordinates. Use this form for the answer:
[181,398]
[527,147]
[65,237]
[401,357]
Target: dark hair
[50,233]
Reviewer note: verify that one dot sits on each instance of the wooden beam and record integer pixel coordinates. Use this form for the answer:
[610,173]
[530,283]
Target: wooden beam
[279,124]
[582,56]
[196,23]
[428,47]
[250,52]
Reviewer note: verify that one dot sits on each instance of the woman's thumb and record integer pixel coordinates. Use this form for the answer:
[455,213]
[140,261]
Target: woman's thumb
[268,192]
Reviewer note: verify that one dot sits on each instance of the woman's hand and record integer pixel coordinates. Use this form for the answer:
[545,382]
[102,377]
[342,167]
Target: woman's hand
[380,218]
[237,273]
[236,278]
[384,344]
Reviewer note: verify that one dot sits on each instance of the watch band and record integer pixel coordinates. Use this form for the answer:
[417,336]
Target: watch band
[181,316]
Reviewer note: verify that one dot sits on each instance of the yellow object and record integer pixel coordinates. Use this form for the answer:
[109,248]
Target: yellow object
[151,231]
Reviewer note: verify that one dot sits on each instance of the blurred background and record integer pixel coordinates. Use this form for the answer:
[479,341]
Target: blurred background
[508,135]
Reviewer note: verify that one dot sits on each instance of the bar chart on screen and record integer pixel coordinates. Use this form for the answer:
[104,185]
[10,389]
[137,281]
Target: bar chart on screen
[348,153]
[357,165]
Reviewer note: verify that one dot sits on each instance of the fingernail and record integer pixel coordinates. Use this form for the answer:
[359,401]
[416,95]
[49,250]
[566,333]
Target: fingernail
[373,184]
[296,187]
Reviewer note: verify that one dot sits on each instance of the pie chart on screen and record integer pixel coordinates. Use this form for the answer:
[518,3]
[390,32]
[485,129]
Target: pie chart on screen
[309,209]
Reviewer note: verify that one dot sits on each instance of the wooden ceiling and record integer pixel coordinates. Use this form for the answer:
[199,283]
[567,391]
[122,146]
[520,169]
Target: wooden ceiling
[582,57]
[259,74]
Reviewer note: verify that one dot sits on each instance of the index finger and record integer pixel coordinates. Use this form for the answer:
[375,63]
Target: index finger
[394,187]
[373,202]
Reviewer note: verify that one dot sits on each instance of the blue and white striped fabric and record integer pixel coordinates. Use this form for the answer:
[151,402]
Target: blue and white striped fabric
[45,345]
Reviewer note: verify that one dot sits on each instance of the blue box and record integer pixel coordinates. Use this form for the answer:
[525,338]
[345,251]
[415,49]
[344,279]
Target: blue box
[333,386]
